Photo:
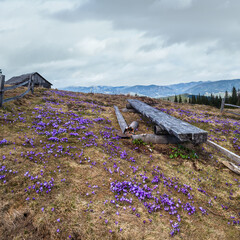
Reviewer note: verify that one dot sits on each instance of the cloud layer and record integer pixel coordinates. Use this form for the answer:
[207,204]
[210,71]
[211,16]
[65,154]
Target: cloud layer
[111,42]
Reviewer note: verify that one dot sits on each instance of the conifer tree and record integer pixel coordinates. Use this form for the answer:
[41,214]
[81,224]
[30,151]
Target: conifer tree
[238,102]
[234,97]
[226,97]
[175,99]
[193,99]
[219,101]
[212,100]
[180,99]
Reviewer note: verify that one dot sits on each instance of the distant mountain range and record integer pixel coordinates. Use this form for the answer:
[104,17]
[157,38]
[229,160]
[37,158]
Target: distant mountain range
[155,91]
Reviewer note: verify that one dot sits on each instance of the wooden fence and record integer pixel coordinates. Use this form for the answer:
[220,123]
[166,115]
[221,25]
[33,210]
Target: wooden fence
[230,105]
[3,89]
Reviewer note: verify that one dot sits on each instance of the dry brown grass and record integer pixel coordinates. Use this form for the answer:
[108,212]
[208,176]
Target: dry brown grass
[74,204]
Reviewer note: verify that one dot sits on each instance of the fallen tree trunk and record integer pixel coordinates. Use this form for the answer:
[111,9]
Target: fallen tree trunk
[152,138]
[122,123]
[234,157]
[182,130]
[159,130]
[132,110]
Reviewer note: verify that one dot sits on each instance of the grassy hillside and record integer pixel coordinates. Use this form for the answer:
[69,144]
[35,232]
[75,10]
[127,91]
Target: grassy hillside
[64,174]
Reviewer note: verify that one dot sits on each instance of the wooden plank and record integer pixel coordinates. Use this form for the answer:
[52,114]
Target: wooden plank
[232,112]
[132,110]
[122,123]
[234,157]
[231,105]
[16,86]
[2,82]
[180,129]
[232,167]
[157,139]
[159,130]
[129,106]
[14,98]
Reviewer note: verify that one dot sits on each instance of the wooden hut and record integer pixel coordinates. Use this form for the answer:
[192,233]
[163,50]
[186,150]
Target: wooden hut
[39,80]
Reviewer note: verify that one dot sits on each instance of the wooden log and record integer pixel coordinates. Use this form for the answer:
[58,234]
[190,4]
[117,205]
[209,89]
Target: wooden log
[160,139]
[2,82]
[232,112]
[123,135]
[180,129]
[122,123]
[129,110]
[32,83]
[222,105]
[129,106]
[232,167]
[158,130]
[231,105]
[234,157]
[132,127]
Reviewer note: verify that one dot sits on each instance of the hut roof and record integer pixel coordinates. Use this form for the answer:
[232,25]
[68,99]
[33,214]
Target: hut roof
[22,78]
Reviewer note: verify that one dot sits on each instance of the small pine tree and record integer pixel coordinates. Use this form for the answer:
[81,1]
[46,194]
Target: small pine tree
[198,99]
[175,99]
[226,97]
[238,101]
[234,97]
[180,99]
[216,101]
[212,100]
[193,99]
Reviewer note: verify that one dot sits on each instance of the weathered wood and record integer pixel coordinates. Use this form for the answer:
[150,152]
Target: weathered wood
[232,112]
[123,135]
[232,167]
[132,110]
[16,86]
[180,129]
[32,83]
[122,123]
[222,105]
[160,139]
[158,130]
[16,97]
[2,82]
[129,106]
[132,127]
[2,90]
[231,105]
[234,157]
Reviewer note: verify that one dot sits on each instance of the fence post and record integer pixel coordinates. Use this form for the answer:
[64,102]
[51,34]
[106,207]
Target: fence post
[32,84]
[222,105]
[2,81]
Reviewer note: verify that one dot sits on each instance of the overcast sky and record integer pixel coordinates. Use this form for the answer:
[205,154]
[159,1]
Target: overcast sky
[120,42]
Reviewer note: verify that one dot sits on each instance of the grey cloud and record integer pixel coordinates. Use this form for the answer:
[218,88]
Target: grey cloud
[201,21]
[148,47]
